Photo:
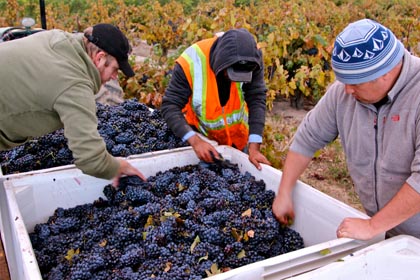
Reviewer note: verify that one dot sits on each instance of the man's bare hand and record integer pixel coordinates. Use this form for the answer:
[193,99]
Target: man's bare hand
[283,209]
[203,149]
[126,169]
[255,156]
[356,228]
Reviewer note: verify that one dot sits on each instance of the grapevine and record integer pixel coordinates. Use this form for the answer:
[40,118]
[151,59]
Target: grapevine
[296,37]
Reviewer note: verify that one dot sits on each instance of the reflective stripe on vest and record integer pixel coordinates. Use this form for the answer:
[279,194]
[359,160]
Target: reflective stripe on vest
[198,71]
[193,55]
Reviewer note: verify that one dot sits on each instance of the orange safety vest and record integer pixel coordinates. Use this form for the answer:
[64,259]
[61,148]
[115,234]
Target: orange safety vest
[227,125]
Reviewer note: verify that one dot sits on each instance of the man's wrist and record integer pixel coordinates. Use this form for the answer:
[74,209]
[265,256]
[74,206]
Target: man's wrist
[255,138]
[188,135]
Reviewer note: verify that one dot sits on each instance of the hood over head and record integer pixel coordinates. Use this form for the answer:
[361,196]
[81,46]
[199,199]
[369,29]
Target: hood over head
[236,51]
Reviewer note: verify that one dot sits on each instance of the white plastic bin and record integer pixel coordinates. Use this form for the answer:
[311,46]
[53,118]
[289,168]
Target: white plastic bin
[394,258]
[32,198]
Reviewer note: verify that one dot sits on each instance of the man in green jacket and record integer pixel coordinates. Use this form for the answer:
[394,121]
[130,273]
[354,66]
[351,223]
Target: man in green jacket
[48,81]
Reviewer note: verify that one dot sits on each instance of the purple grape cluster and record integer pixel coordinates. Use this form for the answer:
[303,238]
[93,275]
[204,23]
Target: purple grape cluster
[128,129]
[180,224]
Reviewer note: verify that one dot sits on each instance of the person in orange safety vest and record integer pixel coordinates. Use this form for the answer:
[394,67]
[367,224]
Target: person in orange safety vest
[217,89]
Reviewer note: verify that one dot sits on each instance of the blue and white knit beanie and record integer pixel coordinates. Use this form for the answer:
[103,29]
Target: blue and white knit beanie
[364,51]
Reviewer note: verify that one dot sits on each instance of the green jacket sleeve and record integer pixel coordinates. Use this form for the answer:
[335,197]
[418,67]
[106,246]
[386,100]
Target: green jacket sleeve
[76,108]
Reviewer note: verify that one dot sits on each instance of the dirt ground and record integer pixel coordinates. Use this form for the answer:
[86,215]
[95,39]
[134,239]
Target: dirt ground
[328,171]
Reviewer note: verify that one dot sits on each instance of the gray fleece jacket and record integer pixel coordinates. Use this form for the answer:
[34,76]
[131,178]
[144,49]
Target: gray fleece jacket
[382,146]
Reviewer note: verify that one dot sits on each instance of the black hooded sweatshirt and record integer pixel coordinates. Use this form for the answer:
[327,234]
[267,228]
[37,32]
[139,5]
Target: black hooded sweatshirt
[233,46]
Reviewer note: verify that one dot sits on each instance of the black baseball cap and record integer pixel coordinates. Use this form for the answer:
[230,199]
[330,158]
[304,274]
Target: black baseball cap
[241,71]
[110,39]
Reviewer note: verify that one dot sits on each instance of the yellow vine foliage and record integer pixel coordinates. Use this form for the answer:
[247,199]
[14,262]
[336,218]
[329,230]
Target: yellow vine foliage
[12,11]
[295,36]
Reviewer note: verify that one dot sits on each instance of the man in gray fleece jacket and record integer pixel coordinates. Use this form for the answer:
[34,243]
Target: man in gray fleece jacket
[48,81]
[374,108]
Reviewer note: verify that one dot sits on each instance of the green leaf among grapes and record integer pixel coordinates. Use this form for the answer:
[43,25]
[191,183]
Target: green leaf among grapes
[238,235]
[149,222]
[206,257]
[241,254]
[247,213]
[195,243]
[214,269]
[71,253]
